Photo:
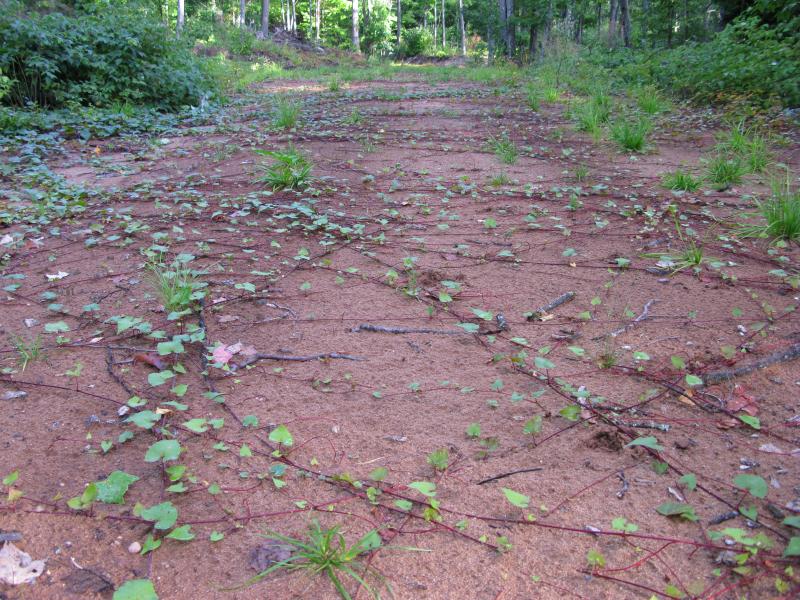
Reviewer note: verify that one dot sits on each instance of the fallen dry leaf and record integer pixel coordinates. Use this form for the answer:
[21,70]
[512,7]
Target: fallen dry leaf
[743,401]
[16,566]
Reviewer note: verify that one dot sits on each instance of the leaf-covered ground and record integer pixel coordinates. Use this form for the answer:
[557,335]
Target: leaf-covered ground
[381,351]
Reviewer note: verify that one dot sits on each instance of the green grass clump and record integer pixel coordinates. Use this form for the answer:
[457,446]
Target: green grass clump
[177,287]
[631,135]
[533,98]
[780,215]
[650,101]
[286,115]
[750,146]
[723,171]
[504,149]
[592,114]
[27,351]
[325,552]
[682,181]
[290,170]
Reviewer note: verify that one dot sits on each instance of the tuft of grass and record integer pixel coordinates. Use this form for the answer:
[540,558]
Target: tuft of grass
[750,146]
[27,351]
[325,552]
[177,287]
[551,95]
[354,118]
[631,135]
[780,214]
[334,85]
[581,173]
[680,180]
[290,170]
[286,115]
[724,171]
[503,148]
[593,114]
[650,101]
[500,180]
[533,98]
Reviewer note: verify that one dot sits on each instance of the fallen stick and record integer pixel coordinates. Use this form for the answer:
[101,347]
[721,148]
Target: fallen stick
[401,330]
[642,317]
[510,473]
[562,299]
[643,424]
[625,485]
[288,357]
[790,353]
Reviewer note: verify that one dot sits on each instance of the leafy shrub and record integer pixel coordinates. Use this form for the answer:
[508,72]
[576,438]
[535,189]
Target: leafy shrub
[747,60]
[97,58]
[416,42]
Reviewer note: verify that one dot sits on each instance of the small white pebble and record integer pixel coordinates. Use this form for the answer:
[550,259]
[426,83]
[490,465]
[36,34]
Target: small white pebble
[135,548]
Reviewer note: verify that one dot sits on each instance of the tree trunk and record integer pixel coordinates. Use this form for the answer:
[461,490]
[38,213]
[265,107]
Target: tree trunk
[509,28]
[626,22]
[579,29]
[181,17]
[318,21]
[462,28]
[532,41]
[354,30]
[265,18]
[399,23]
[242,11]
[548,24]
[435,26]
[444,29]
[612,22]
[294,16]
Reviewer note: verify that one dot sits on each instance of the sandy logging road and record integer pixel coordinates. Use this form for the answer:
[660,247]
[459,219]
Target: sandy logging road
[500,345]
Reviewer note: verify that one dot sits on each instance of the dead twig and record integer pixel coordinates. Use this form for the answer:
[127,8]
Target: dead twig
[510,473]
[401,330]
[790,353]
[290,358]
[624,489]
[645,314]
[562,299]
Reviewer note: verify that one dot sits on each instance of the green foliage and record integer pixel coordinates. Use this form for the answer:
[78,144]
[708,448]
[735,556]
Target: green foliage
[416,42]
[291,170]
[325,552]
[95,57]
[439,459]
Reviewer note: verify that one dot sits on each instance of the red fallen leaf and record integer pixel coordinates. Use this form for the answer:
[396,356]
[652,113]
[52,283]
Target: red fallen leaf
[742,401]
[150,359]
[728,423]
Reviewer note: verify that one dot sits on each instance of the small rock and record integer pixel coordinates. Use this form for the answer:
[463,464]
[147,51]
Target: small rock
[13,394]
[31,323]
[263,556]
[683,443]
[775,511]
[794,505]
[745,464]
[397,438]
[135,548]
[727,558]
